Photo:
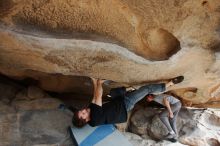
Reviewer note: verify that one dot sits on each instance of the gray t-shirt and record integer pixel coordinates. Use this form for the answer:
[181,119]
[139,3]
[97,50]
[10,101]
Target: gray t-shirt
[159,99]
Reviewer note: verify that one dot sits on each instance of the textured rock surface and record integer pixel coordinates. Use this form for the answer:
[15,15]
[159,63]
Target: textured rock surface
[26,121]
[56,44]
[196,126]
[35,127]
[139,141]
[126,41]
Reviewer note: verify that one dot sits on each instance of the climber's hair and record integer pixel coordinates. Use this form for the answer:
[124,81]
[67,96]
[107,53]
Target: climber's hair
[78,122]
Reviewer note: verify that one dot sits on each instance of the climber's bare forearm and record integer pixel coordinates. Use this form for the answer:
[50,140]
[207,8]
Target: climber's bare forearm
[99,93]
[94,81]
[167,104]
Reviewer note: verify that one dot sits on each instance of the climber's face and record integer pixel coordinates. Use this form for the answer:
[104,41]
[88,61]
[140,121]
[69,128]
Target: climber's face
[84,114]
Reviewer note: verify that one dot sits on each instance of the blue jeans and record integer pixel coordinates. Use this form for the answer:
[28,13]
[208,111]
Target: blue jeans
[132,98]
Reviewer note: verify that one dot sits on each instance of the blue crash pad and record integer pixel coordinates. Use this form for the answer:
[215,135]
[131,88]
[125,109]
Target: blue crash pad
[104,135]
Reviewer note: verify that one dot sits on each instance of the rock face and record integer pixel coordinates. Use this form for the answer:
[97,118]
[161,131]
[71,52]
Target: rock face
[196,126]
[27,121]
[139,141]
[126,41]
[56,45]
[114,19]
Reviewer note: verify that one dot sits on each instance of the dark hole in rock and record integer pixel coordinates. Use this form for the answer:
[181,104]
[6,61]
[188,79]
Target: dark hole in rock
[204,3]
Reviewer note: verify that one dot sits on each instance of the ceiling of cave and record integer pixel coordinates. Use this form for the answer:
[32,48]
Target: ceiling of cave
[129,42]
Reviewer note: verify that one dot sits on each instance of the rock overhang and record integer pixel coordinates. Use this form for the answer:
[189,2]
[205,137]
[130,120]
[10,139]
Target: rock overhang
[127,43]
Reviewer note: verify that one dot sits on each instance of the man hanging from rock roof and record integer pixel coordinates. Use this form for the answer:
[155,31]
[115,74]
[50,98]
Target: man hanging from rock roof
[116,110]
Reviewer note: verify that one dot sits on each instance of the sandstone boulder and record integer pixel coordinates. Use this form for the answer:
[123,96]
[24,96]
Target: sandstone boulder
[34,92]
[37,104]
[8,89]
[139,141]
[129,42]
[42,127]
[196,126]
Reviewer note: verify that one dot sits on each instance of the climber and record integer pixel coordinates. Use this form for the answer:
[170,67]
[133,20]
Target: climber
[169,115]
[116,110]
